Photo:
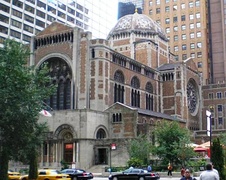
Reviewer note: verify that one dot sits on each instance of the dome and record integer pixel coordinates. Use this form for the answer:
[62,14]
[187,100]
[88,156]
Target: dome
[137,23]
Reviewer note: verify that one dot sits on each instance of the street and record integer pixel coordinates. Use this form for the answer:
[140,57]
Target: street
[164,178]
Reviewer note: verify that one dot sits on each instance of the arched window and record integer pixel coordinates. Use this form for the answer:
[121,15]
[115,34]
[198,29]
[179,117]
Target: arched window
[119,87]
[61,74]
[135,94]
[101,134]
[149,96]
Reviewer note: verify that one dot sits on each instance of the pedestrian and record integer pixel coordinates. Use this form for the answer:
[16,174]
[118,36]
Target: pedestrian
[187,175]
[170,168]
[182,171]
[149,169]
[214,170]
[209,174]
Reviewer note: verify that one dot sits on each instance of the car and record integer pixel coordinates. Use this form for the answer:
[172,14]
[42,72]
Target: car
[77,174]
[135,174]
[13,175]
[49,174]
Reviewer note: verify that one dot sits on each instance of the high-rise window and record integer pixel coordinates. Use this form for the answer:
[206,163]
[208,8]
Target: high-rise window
[183,18]
[183,27]
[167,20]
[167,9]
[192,26]
[175,19]
[191,16]
[184,47]
[191,4]
[175,37]
[192,35]
[183,36]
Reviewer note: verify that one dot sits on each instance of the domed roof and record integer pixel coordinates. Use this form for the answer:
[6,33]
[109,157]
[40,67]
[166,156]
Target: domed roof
[137,23]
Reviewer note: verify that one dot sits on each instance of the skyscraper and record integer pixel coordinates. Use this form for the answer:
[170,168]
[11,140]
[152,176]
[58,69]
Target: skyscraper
[126,7]
[185,23]
[20,19]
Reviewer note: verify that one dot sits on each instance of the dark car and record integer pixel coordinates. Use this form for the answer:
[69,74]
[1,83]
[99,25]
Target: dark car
[77,174]
[136,174]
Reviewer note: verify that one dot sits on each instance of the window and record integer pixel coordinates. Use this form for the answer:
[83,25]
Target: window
[199,45]
[192,35]
[183,36]
[4,8]
[192,26]
[150,12]
[28,28]
[192,45]
[18,3]
[157,10]
[175,28]
[219,95]
[135,94]
[168,30]
[29,9]
[26,38]
[210,95]
[167,9]
[175,38]
[150,2]
[175,19]
[41,4]
[167,20]
[167,1]
[175,7]
[199,64]
[183,27]
[199,54]
[15,34]
[29,18]
[184,47]
[191,4]
[175,48]
[198,34]
[219,108]
[16,23]
[40,14]
[182,6]
[198,24]
[183,18]
[3,29]
[4,19]
[40,23]
[191,16]
[220,120]
[157,2]
[197,3]
[192,55]
[17,13]
[197,15]
[184,56]
[119,88]
[149,96]
[71,11]
[101,134]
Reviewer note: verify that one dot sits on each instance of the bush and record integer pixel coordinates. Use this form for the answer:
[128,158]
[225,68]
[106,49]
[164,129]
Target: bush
[134,162]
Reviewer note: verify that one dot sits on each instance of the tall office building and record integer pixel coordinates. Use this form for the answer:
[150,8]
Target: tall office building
[185,23]
[20,19]
[217,20]
[126,7]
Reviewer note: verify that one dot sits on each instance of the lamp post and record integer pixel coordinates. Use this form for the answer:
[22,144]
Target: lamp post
[209,127]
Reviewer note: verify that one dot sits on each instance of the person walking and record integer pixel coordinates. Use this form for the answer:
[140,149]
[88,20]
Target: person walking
[149,169]
[209,174]
[170,168]
[187,175]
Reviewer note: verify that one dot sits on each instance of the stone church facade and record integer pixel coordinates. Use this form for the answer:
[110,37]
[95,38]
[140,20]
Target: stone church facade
[111,90]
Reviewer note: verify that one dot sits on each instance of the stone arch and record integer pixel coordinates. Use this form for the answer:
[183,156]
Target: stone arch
[101,128]
[62,130]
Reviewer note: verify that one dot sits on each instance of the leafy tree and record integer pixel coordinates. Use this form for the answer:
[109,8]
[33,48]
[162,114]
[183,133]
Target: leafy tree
[173,143]
[139,149]
[22,89]
[217,157]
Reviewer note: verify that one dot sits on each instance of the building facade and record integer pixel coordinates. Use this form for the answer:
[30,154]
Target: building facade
[111,90]
[186,26]
[21,19]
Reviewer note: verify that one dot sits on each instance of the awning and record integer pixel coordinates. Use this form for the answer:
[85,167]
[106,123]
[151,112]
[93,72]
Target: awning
[200,149]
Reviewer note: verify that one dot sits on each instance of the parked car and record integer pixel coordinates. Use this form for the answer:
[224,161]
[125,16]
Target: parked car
[49,174]
[13,175]
[77,174]
[135,174]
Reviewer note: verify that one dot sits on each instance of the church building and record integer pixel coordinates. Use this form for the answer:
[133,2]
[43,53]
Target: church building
[111,90]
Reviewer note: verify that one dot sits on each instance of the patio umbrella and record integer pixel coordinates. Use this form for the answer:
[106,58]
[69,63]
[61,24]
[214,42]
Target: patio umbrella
[200,149]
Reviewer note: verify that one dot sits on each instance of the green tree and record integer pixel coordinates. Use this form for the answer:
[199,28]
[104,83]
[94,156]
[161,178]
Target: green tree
[173,143]
[22,89]
[139,149]
[217,157]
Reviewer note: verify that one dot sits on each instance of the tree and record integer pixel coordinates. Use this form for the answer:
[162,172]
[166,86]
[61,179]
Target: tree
[217,157]
[139,149]
[173,143]
[22,89]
